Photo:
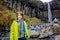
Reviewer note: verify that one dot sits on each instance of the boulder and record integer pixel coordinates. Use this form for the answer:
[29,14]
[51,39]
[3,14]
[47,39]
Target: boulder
[55,20]
[33,33]
[57,37]
[45,32]
[56,25]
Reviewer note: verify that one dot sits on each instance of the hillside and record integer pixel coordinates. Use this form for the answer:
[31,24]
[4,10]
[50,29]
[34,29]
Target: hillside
[7,16]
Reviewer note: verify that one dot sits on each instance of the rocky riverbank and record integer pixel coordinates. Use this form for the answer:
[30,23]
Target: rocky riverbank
[45,29]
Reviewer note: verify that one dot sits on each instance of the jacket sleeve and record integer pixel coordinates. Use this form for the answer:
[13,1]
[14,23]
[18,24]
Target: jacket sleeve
[11,31]
[26,28]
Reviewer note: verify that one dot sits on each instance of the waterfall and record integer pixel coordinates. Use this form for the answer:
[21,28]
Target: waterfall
[49,13]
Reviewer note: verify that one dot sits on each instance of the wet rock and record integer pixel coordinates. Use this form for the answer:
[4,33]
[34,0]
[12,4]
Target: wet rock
[49,24]
[56,30]
[59,22]
[45,32]
[52,37]
[56,25]
[33,33]
[31,27]
[57,37]
[34,30]
[37,28]
[49,31]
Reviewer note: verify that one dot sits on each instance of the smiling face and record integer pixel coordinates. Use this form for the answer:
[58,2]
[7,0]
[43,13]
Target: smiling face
[19,15]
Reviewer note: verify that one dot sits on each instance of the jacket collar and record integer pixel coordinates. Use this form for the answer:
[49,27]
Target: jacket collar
[18,20]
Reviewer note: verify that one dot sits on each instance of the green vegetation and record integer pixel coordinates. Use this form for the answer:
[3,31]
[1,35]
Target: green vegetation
[31,20]
[7,16]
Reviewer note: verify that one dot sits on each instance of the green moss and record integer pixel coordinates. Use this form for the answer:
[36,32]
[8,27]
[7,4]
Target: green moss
[31,20]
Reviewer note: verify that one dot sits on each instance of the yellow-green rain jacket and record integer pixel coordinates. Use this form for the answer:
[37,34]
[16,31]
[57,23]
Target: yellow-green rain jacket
[14,30]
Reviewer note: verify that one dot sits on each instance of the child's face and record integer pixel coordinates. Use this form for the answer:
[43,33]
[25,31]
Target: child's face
[19,16]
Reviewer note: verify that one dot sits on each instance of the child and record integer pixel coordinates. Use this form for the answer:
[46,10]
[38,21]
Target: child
[19,28]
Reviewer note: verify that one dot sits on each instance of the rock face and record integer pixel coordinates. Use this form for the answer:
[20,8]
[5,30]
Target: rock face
[56,4]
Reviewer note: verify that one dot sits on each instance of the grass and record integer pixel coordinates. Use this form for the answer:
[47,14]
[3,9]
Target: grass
[31,20]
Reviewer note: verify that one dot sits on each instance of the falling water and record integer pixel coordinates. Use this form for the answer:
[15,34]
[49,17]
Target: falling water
[49,13]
